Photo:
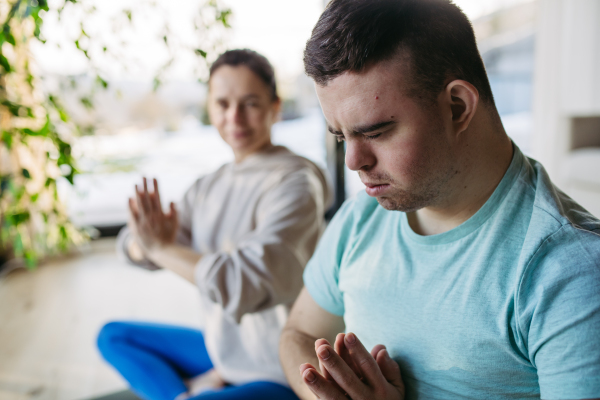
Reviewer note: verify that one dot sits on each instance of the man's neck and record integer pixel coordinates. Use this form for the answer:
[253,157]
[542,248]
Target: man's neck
[469,190]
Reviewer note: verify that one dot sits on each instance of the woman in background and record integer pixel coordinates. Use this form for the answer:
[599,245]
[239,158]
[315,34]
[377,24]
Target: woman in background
[242,235]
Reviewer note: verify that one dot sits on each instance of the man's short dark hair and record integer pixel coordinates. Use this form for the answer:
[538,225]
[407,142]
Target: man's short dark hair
[256,62]
[435,37]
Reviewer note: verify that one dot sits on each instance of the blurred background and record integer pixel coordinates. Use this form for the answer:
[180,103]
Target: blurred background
[541,57]
[130,75]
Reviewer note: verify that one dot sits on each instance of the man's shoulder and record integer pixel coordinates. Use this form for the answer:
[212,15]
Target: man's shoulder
[557,213]
[563,237]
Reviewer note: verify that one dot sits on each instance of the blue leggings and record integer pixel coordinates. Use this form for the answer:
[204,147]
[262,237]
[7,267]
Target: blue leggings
[156,359]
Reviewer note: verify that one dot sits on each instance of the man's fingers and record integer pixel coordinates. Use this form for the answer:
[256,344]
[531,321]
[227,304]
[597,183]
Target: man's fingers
[389,368]
[321,387]
[376,350]
[319,343]
[364,360]
[342,350]
[343,375]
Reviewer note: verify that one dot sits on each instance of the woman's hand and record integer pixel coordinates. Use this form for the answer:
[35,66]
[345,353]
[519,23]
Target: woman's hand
[153,228]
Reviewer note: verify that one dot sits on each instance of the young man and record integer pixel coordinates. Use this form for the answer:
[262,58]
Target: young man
[463,267]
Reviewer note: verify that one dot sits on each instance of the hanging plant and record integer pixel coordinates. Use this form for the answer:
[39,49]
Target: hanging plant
[36,130]
[34,150]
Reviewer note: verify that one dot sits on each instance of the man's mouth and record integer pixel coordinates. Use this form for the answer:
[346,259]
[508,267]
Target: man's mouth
[376,189]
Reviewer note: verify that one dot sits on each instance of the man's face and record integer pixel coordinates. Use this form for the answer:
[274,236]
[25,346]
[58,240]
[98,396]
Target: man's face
[402,149]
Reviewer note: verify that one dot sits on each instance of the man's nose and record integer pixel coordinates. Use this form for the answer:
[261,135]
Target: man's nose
[359,156]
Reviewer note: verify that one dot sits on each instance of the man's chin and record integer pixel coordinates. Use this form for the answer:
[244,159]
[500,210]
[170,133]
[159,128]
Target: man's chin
[404,205]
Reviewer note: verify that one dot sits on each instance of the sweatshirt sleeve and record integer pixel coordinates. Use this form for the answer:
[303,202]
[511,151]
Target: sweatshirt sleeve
[184,234]
[265,268]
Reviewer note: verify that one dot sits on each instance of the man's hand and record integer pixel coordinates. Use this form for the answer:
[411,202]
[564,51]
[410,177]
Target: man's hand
[151,227]
[350,370]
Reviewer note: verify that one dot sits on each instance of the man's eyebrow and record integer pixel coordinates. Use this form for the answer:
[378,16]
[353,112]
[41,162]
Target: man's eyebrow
[361,130]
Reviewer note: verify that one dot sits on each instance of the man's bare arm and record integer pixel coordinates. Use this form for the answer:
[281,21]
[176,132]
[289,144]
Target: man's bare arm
[307,323]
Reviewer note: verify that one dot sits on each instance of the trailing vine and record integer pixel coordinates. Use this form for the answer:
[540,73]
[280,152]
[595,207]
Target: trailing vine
[36,130]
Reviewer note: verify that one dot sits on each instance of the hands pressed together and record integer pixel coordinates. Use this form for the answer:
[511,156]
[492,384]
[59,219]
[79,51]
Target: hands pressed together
[151,227]
[350,371]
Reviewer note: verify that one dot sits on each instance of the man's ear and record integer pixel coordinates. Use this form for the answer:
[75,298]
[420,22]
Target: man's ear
[463,99]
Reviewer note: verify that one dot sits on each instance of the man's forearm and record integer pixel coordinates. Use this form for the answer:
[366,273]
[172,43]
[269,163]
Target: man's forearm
[296,348]
[180,259]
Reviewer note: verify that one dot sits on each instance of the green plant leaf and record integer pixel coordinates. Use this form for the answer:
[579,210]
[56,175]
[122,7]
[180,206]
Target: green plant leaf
[31,259]
[101,81]
[8,36]
[17,110]
[18,218]
[7,139]
[200,52]
[59,108]
[26,173]
[18,245]
[87,102]
[4,184]
[43,4]
[4,63]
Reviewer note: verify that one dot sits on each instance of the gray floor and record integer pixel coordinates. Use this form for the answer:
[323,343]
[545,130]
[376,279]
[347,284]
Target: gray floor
[50,319]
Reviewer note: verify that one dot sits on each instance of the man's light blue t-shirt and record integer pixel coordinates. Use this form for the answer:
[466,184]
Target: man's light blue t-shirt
[504,306]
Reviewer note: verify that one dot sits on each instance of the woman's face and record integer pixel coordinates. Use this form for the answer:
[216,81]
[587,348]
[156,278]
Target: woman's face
[240,106]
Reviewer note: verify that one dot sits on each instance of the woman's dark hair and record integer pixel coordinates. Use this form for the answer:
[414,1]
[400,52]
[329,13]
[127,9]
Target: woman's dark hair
[435,37]
[257,63]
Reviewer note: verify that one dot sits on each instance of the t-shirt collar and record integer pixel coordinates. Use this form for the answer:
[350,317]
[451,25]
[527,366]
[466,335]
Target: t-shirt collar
[480,217]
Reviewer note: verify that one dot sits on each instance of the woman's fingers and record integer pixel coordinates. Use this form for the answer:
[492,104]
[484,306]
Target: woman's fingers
[172,213]
[133,209]
[148,197]
[364,360]
[142,200]
[156,197]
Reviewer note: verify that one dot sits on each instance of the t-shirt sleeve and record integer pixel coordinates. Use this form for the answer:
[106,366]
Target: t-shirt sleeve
[559,303]
[321,276]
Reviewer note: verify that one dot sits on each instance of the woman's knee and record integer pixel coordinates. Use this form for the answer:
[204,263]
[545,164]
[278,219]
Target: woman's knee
[111,333]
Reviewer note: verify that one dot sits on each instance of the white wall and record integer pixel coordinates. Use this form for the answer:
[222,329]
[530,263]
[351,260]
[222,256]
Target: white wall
[566,85]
